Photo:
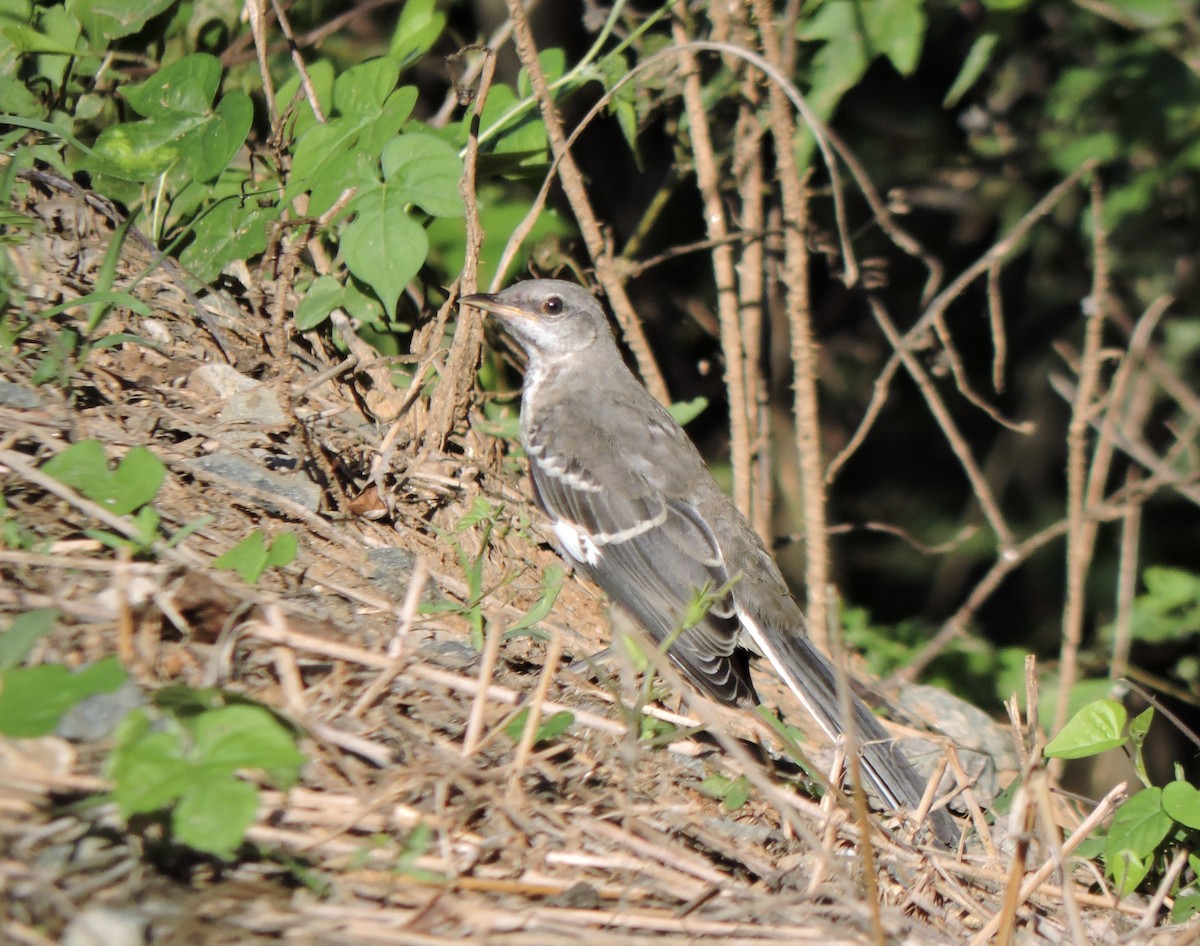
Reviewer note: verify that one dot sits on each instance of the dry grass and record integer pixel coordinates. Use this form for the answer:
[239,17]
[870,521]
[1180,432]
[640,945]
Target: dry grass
[594,838]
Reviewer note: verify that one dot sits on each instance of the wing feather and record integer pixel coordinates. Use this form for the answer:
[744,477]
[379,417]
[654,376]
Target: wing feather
[651,555]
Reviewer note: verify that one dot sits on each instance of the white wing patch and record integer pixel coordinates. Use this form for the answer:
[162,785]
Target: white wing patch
[576,543]
[584,546]
[556,467]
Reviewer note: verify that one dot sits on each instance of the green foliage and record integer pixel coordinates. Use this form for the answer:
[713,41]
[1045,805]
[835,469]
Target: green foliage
[1096,728]
[732,793]
[1169,610]
[552,582]
[1149,826]
[14,534]
[184,760]
[967,667]
[251,557]
[130,486]
[791,737]
[23,634]
[124,491]
[685,412]
[182,126]
[418,842]
[548,727]
[182,150]
[485,517]
[34,699]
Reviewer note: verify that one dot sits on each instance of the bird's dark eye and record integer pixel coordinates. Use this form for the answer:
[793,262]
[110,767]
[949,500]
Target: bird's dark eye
[552,306]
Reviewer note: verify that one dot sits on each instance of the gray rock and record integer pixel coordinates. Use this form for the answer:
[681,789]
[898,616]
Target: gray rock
[258,406]
[392,570]
[985,748]
[296,488]
[223,380]
[18,396]
[452,655]
[246,401]
[98,716]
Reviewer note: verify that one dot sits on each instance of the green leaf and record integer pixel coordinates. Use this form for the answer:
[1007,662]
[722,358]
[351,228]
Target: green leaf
[424,170]
[1151,14]
[321,147]
[189,759]
[731,792]
[521,134]
[553,62]
[737,795]
[321,298]
[209,149]
[897,30]
[550,726]
[243,737]
[362,89]
[33,699]
[17,98]
[140,151]
[1138,828]
[685,412]
[214,813]
[843,58]
[135,481]
[283,550]
[361,306]
[188,85]
[1169,611]
[252,556]
[1186,907]
[387,121]
[482,510]
[321,79]
[106,20]
[248,558]
[1181,800]
[1127,870]
[23,634]
[351,169]
[24,39]
[383,246]
[977,60]
[419,26]
[1096,728]
[230,230]
[552,582]
[1139,727]
[82,466]
[150,772]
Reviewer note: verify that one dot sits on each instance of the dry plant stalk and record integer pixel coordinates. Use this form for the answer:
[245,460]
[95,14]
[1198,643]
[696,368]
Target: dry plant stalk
[1081,487]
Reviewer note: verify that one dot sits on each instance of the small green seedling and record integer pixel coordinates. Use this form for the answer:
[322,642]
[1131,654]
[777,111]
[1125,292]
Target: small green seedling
[186,762]
[1149,826]
[251,557]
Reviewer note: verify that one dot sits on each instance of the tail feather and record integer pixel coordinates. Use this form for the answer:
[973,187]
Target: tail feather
[810,676]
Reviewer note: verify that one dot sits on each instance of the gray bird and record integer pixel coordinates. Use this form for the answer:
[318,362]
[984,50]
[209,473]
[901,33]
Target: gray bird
[635,509]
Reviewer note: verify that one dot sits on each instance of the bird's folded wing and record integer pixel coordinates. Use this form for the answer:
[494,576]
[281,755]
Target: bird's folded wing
[655,557]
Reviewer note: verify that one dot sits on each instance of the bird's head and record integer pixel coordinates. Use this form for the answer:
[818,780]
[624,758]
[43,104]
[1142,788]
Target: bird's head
[548,318]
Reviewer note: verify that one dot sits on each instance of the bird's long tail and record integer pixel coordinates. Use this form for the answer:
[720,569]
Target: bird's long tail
[810,675]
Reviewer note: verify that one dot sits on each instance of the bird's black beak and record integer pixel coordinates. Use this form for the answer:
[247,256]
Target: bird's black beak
[491,305]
